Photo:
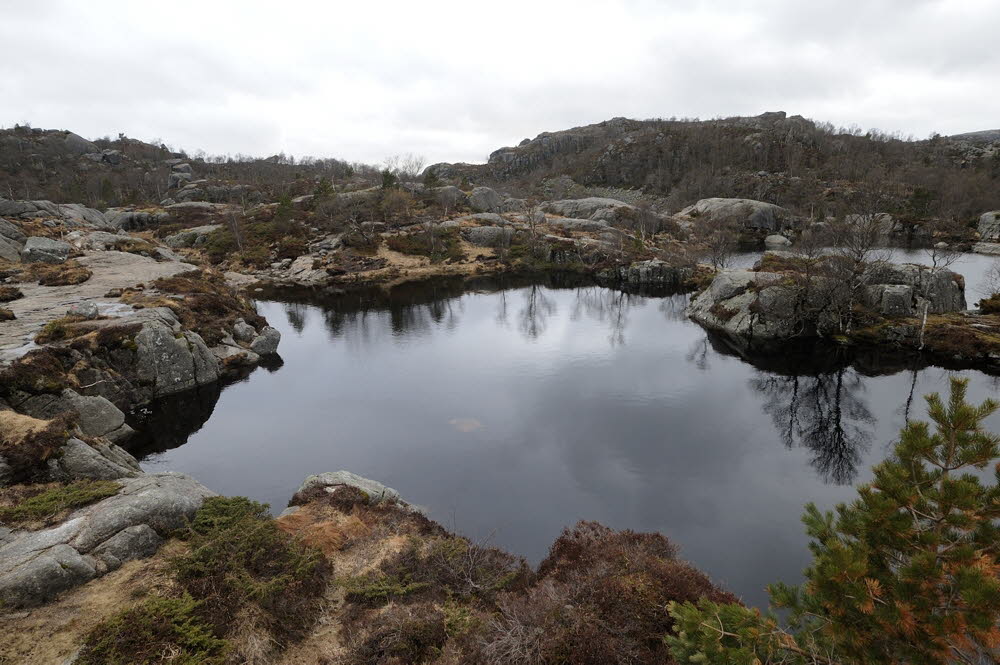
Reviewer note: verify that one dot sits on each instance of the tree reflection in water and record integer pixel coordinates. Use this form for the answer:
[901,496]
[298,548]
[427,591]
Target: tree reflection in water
[825,413]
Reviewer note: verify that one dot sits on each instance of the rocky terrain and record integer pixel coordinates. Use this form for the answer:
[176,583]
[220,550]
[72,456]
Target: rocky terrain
[136,283]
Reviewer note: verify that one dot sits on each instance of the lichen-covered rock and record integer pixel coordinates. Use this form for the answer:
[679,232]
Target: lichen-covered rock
[484,199]
[12,233]
[45,250]
[593,207]
[649,273]
[751,214]
[488,236]
[9,251]
[775,241]
[375,490]
[266,343]
[35,566]
[131,220]
[243,331]
[193,237]
[989,226]
[172,362]
[586,225]
[100,461]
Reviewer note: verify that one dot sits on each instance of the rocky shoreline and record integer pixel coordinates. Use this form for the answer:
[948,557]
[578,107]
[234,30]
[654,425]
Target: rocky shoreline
[107,311]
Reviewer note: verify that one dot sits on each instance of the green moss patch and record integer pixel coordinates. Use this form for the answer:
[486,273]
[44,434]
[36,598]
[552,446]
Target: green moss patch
[23,505]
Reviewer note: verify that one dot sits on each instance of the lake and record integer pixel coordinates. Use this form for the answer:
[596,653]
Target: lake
[510,409]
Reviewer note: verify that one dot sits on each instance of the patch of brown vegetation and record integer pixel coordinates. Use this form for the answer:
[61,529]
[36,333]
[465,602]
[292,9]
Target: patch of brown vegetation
[55,274]
[6,314]
[53,632]
[27,443]
[210,307]
[39,371]
[59,329]
[10,293]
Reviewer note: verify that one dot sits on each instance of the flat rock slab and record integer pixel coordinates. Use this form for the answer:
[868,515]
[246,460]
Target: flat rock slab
[41,304]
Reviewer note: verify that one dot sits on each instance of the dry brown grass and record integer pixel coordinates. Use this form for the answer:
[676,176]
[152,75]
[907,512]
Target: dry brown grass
[55,274]
[52,632]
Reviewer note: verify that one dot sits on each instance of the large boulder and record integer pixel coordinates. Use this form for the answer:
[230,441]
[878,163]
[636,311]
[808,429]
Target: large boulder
[594,207]
[135,220]
[12,232]
[35,566]
[193,237]
[484,199]
[756,215]
[172,362]
[488,236]
[989,226]
[78,145]
[653,272]
[585,225]
[266,343]
[776,241]
[9,251]
[941,291]
[45,250]
[99,461]
[98,417]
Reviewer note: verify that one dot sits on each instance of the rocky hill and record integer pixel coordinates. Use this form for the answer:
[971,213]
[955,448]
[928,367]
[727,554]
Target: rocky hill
[786,160]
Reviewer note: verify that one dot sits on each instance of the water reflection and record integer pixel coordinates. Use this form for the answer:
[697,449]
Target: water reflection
[520,406]
[825,413]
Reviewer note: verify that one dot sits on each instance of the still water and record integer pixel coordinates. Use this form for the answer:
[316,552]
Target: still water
[513,409]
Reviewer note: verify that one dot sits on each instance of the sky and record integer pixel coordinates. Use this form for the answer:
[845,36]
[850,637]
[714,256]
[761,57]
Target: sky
[453,81]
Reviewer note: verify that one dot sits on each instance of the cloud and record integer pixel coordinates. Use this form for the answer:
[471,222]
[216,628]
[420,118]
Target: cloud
[455,80]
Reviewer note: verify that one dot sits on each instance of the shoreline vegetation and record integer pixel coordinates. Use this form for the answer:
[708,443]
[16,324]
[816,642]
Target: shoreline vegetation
[146,291]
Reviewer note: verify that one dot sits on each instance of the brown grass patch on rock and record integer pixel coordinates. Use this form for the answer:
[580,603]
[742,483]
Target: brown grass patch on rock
[210,306]
[27,443]
[10,293]
[6,314]
[55,274]
[39,371]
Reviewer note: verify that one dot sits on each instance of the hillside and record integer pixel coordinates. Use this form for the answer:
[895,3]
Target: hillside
[786,160]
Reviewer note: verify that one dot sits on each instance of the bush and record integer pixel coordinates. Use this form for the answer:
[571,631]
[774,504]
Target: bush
[601,597]
[990,305]
[438,245]
[158,631]
[48,504]
[250,577]
[405,634]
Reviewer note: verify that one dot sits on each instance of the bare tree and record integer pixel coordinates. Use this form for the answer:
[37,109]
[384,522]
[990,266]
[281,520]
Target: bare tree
[718,239]
[942,255]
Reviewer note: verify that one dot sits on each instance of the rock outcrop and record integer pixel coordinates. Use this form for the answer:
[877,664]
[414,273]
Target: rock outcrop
[596,208]
[989,226]
[35,566]
[45,250]
[763,307]
[750,214]
[654,273]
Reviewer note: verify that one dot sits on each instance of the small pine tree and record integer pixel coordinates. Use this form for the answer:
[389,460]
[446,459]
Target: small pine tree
[908,573]
[323,191]
[389,179]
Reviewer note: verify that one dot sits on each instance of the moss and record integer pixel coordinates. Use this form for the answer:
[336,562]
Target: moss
[50,504]
[60,329]
[133,246]
[240,564]
[9,293]
[158,631]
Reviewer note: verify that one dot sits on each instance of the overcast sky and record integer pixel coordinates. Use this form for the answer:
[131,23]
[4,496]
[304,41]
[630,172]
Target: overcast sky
[455,80]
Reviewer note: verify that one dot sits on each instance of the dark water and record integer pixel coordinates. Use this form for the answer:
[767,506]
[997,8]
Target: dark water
[511,414]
